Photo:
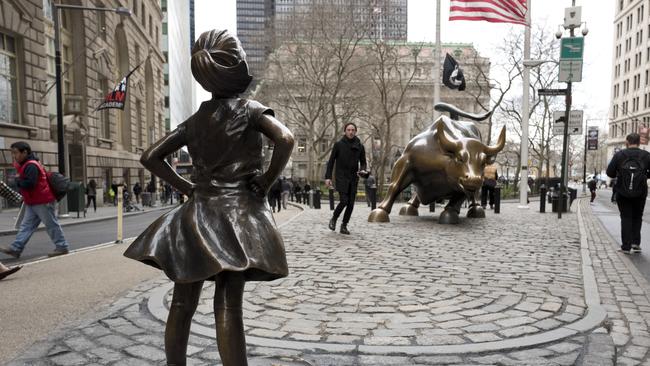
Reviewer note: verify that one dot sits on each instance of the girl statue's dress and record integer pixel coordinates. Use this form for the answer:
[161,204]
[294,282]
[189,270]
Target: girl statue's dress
[223,226]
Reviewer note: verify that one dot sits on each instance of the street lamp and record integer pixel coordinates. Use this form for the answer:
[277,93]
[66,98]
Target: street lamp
[57,57]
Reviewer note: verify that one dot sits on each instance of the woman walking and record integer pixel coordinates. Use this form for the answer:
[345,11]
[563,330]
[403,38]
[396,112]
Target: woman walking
[91,194]
[225,231]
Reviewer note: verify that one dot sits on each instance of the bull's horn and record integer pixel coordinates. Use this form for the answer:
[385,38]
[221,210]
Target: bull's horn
[445,143]
[501,143]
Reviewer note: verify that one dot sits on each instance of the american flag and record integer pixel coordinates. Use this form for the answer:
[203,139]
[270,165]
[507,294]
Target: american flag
[496,11]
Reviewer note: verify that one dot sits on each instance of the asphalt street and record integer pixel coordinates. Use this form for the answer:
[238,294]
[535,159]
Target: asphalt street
[80,236]
[607,213]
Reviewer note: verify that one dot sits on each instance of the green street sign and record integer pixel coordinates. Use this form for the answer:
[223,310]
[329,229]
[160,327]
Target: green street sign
[572,48]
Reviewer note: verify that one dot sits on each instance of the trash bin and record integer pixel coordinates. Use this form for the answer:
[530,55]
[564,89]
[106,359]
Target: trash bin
[316,198]
[146,198]
[555,202]
[76,197]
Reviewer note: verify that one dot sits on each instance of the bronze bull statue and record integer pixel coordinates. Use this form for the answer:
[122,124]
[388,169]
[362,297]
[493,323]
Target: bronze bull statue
[445,161]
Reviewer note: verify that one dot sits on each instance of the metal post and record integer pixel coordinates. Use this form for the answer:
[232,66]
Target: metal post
[436,63]
[565,142]
[542,198]
[584,163]
[523,179]
[331,197]
[497,199]
[120,214]
[59,91]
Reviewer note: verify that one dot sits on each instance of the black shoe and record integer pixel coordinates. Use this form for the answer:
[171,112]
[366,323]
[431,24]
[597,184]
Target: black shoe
[57,252]
[9,251]
[625,251]
[332,224]
[636,248]
[344,229]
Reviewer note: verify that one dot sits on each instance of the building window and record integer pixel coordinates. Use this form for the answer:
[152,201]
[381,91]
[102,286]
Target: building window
[9,101]
[138,118]
[302,145]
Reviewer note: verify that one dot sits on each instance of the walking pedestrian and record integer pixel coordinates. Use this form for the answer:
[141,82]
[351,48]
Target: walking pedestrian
[305,193]
[91,194]
[490,178]
[39,202]
[297,192]
[276,195]
[286,190]
[349,156]
[6,271]
[113,193]
[137,189]
[236,240]
[371,190]
[592,184]
[630,167]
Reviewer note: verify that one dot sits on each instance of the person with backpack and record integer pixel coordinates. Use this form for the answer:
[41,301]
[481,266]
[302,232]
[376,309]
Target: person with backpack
[39,200]
[630,167]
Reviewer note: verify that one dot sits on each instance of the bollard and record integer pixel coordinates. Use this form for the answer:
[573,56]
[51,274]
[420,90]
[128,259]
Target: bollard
[316,199]
[542,199]
[331,197]
[497,200]
[120,213]
[432,207]
[373,198]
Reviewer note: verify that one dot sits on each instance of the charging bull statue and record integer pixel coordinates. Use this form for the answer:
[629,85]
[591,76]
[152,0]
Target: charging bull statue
[444,162]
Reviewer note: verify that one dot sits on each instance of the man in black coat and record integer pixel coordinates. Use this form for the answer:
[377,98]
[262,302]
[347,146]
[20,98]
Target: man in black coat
[631,168]
[350,158]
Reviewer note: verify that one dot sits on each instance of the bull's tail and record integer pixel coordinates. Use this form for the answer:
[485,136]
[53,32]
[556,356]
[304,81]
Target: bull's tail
[454,112]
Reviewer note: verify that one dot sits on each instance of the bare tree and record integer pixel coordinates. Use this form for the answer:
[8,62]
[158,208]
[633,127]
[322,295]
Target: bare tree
[392,68]
[312,76]
[540,138]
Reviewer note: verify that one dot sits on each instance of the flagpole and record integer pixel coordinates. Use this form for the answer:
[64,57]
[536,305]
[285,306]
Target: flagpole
[436,63]
[523,163]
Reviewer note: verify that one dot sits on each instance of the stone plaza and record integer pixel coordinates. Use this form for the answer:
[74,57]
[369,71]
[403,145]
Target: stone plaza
[517,288]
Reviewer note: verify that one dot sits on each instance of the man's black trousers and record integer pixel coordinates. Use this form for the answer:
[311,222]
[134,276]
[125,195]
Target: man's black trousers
[631,210]
[347,203]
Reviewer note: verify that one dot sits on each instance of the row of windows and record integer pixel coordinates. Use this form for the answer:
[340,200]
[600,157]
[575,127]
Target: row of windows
[629,21]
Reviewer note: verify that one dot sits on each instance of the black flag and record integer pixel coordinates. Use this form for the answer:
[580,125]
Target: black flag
[452,74]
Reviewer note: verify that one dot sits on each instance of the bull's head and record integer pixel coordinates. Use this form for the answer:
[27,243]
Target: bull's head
[468,158]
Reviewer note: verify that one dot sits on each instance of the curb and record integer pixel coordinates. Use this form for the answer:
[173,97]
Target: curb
[84,221]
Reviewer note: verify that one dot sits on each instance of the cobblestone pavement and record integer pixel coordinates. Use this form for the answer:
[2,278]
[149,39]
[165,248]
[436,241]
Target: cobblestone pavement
[512,289]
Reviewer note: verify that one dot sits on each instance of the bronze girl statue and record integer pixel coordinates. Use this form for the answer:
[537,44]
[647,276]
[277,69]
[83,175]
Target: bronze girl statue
[225,231]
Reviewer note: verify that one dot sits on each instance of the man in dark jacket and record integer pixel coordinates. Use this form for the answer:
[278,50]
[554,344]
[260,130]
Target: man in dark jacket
[350,158]
[630,194]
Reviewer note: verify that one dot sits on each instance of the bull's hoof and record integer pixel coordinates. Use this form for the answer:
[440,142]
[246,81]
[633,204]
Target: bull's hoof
[476,212]
[408,210]
[378,215]
[448,217]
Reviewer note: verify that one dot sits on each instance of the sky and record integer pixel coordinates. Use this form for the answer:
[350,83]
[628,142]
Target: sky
[593,92]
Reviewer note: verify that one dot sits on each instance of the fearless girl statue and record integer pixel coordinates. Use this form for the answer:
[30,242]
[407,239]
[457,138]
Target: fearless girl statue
[225,232]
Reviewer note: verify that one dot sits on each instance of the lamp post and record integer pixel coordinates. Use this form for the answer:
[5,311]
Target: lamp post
[57,59]
[525,111]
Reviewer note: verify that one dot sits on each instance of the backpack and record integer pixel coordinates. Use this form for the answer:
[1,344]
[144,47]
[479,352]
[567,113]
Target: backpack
[59,184]
[631,177]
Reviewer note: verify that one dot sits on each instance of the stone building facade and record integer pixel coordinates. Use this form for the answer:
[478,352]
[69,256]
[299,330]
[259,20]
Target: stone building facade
[98,49]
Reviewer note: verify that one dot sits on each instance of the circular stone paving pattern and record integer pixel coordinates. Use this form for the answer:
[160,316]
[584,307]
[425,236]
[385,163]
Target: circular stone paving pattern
[416,282]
